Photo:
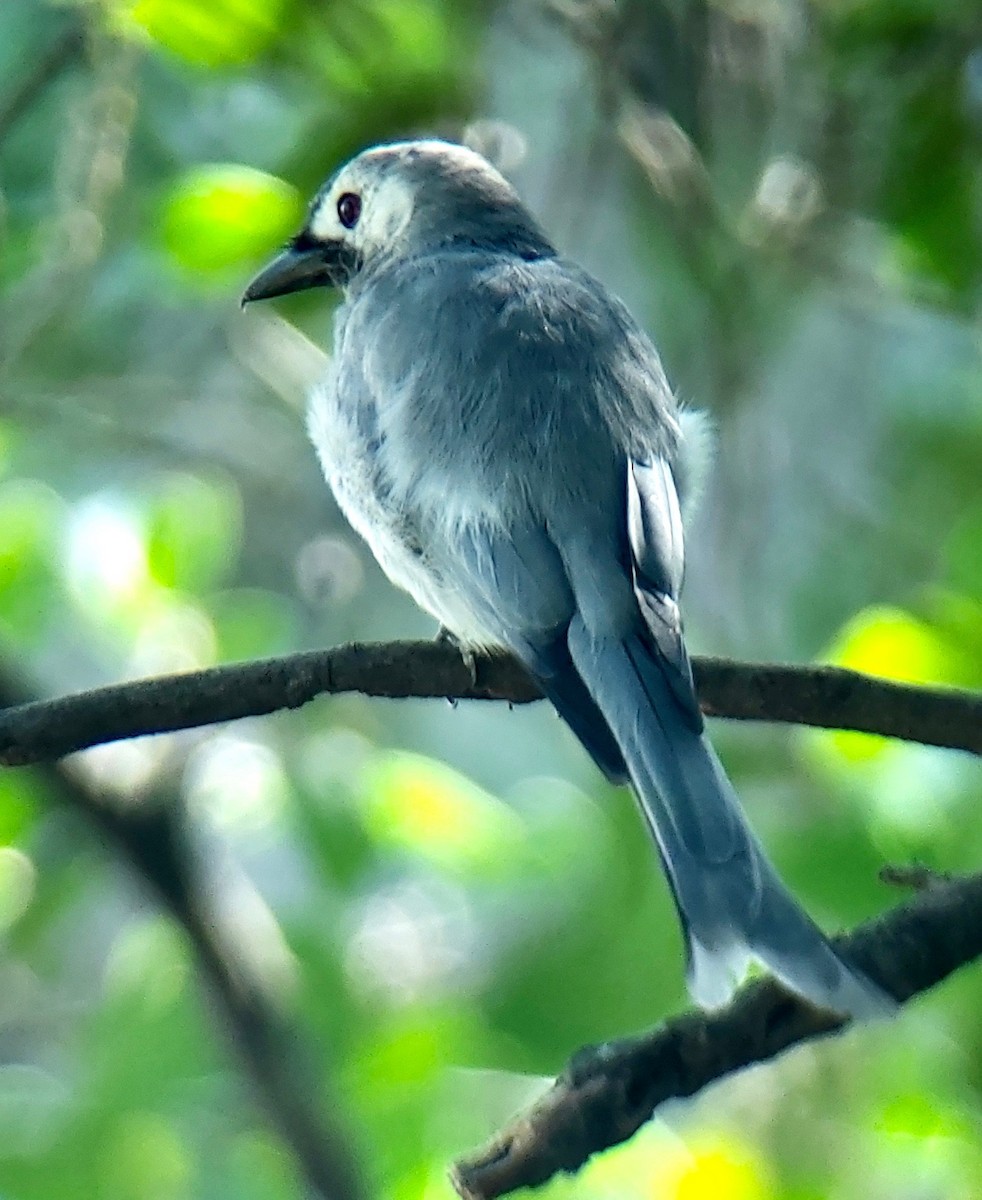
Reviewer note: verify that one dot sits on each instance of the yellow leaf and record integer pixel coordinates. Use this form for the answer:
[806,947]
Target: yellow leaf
[891,644]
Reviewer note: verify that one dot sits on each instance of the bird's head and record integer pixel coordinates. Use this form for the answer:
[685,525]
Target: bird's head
[396,200]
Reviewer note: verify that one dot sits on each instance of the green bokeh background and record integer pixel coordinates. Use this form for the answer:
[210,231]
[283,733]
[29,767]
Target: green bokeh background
[448,900]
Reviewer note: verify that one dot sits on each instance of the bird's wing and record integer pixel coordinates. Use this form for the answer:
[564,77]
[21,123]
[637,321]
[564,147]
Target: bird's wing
[654,527]
[516,581]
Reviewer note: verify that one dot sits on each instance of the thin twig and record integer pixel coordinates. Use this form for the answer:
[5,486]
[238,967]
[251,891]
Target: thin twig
[608,1092]
[827,697]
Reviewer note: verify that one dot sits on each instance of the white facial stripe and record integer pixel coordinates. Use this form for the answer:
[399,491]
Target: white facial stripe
[324,223]
[386,208]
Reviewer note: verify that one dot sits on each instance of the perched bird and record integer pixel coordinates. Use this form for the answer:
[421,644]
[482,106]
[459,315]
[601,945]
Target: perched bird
[501,432]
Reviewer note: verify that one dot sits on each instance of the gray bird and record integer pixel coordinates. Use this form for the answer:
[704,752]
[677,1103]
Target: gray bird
[501,432]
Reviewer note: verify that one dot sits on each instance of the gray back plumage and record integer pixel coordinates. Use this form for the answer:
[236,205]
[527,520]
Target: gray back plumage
[516,368]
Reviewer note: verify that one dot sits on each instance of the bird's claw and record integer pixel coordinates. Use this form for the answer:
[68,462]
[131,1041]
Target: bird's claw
[465,651]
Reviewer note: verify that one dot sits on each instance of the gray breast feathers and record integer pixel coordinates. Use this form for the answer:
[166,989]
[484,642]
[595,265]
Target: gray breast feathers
[475,392]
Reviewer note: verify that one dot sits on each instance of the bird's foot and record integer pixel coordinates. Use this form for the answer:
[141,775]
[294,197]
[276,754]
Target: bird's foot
[465,651]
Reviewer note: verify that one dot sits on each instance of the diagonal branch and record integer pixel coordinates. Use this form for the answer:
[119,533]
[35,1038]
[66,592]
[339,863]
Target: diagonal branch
[261,1031]
[153,838]
[827,697]
[608,1092]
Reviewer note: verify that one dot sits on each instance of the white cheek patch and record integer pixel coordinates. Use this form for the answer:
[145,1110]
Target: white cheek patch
[324,223]
[386,210]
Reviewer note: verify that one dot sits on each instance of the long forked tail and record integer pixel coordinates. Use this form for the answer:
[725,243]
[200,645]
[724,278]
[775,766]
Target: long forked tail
[733,905]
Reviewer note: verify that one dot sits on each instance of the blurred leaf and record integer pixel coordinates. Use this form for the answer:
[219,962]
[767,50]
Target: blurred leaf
[900,69]
[104,562]
[194,528]
[926,1145]
[933,182]
[251,623]
[957,618]
[396,1078]
[399,46]
[600,953]
[225,215]
[832,858]
[19,796]
[30,519]
[33,1103]
[146,1160]
[892,644]
[208,33]
[148,967]
[17,878]
[406,1053]
[658,1164]
[8,434]
[426,808]
[236,784]
[912,801]
[963,553]
[714,1169]
[265,1167]
[328,812]
[920,1115]
[867,20]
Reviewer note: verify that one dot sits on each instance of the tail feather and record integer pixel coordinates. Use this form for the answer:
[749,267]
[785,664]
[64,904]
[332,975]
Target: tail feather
[551,665]
[733,905]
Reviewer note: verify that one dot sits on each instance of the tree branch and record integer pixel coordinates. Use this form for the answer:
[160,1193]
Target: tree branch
[262,1033]
[827,697]
[608,1092]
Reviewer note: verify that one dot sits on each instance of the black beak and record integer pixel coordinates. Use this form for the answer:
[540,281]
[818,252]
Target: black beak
[301,265]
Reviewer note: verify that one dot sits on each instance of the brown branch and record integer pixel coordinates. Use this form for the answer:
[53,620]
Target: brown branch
[608,1092]
[827,697]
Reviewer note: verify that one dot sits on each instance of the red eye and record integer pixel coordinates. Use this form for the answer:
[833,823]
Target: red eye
[349,210]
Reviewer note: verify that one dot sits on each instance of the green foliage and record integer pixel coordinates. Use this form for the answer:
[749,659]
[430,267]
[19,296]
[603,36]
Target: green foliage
[29,513]
[221,216]
[447,903]
[216,33]
[193,532]
[913,63]
[249,622]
